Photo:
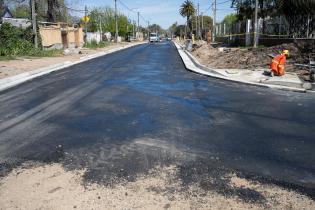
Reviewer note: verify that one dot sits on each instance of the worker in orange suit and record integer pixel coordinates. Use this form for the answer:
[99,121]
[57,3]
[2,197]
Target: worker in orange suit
[278,64]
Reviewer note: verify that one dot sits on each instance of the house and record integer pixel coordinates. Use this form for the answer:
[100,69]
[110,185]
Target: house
[60,35]
[5,13]
[6,16]
[18,22]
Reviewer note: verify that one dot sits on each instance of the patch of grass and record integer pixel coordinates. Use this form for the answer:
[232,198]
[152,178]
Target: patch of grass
[94,45]
[45,53]
[7,58]
[34,53]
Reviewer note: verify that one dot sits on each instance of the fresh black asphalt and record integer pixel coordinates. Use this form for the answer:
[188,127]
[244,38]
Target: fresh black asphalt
[123,114]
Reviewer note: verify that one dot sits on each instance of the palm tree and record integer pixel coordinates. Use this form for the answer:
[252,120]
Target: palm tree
[187,9]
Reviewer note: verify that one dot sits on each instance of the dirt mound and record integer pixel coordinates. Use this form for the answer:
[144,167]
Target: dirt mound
[249,58]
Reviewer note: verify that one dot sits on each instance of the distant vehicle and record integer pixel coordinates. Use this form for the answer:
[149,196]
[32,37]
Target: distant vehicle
[154,37]
[169,39]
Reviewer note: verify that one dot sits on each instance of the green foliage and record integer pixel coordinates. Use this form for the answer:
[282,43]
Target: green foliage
[44,53]
[13,41]
[207,22]
[46,10]
[156,28]
[288,8]
[19,42]
[246,8]
[93,44]
[180,30]
[187,9]
[104,18]
[230,19]
[21,11]
[297,13]
[7,58]
[56,10]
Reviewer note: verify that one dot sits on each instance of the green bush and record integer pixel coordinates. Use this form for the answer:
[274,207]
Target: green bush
[93,44]
[16,41]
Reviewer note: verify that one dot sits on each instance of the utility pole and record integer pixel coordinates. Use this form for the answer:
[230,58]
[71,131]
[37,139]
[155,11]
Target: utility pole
[85,22]
[196,25]
[308,26]
[256,24]
[202,24]
[133,29]
[85,17]
[138,22]
[214,20]
[101,30]
[199,34]
[34,23]
[148,29]
[116,23]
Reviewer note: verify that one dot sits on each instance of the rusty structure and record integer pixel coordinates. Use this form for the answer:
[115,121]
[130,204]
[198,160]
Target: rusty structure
[61,35]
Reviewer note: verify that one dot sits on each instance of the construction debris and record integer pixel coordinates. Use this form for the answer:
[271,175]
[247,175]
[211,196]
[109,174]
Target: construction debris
[251,58]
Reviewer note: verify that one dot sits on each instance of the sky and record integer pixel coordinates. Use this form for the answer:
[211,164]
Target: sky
[162,12]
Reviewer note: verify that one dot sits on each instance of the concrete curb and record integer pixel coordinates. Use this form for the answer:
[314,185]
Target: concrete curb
[10,82]
[193,65]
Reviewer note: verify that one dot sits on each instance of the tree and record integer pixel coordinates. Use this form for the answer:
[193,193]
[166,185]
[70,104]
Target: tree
[1,5]
[299,14]
[187,10]
[230,19]
[246,8]
[56,11]
[207,23]
[104,18]
[172,29]
[156,28]
[46,10]
[21,11]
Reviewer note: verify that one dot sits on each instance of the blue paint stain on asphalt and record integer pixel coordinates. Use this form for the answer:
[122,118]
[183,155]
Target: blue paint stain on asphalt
[105,105]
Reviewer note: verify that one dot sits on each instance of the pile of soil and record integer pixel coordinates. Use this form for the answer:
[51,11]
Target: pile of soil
[250,58]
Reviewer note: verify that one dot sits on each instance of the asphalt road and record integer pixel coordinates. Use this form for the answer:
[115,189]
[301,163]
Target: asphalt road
[123,114]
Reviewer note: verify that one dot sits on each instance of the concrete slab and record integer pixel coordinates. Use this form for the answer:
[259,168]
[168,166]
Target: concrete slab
[288,82]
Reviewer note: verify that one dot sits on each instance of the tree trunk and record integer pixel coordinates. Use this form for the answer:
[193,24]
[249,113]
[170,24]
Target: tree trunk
[187,23]
[1,5]
[51,15]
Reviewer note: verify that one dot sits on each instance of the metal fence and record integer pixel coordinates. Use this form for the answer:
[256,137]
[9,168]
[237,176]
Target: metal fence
[270,31]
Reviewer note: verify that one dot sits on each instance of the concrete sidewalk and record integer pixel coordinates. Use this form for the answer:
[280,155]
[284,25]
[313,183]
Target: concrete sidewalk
[12,81]
[290,81]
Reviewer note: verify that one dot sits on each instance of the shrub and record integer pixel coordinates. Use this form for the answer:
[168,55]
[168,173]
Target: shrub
[15,41]
[93,44]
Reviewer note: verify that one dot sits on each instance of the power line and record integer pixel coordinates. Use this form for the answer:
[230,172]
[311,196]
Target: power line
[124,5]
[71,9]
[207,9]
[223,2]
[131,10]
[143,18]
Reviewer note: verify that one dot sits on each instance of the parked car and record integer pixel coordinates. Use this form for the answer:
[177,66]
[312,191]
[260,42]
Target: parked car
[154,37]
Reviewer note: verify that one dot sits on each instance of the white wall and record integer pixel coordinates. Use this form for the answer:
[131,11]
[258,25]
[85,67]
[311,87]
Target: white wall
[17,22]
[96,36]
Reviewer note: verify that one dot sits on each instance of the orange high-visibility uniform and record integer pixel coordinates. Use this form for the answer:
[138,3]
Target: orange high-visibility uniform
[277,65]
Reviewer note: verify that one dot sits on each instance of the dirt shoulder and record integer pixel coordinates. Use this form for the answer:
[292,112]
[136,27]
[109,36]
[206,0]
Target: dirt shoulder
[249,58]
[24,64]
[52,187]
